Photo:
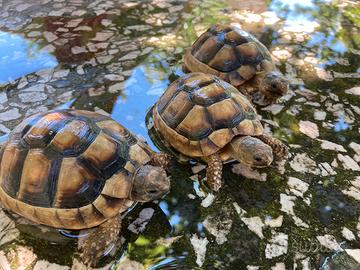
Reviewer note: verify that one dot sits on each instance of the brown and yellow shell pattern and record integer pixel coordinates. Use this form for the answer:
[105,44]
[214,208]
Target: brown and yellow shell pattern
[59,168]
[199,114]
[229,53]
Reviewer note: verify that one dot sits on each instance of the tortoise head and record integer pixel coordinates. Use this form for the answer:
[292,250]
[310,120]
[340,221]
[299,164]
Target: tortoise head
[274,85]
[149,183]
[251,151]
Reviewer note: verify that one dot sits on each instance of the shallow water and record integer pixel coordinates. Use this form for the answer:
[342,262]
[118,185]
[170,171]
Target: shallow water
[117,57]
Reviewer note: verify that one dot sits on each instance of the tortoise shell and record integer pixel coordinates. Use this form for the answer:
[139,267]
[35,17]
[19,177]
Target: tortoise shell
[199,114]
[229,53]
[59,168]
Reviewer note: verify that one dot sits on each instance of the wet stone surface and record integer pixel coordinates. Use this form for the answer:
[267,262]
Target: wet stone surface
[117,57]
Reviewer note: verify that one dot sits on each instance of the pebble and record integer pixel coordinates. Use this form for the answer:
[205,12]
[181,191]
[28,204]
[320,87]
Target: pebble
[219,228]
[274,108]
[8,230]
[348,163]
[277,246]
[348,234]
[50,37]
[199,245]
[3,97]
[32,97]
[329,241]
[209,199]
[353,91]
[44,265]
[327,145]
[11,114]
[78,50]
[354,253]
[319,115]
[255,224]
[140,223]
[297,186]
[309,128]
[102,36]
[304,164]
[274,222]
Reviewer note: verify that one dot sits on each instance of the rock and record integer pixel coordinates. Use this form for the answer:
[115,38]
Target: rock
[329,242]
[347,234]
[198,168]
[167,242]
[78,50]
[114,77]
[355,253]
[348,163]
[297,187]
[352,192]
[199,245]
[287,204]
[130,56]
[4,264]
[304,164]
[61,73]
[278,245]
[44,265]
[127,264]
[115,88]
[319,115]
[10,115]
[353,91]
[102,36]
[274,108]
[218,227]
[3,97]
[140,223]
[32,97]
[35,88]
[309,128]
[50,37]
[104,59]
[355,147]
[326,169]
[274,223]
[248,172]
[24,258]
[83,28]
[327,145]
[255,224]
[208,200]
[279,266]
[8,231]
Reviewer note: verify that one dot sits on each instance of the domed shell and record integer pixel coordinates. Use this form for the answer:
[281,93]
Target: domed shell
[229,53]
[199,114]
[59,168]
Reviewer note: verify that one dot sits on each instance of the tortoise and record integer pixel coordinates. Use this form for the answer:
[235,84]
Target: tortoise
[76,169]
[202,117]
[237,57]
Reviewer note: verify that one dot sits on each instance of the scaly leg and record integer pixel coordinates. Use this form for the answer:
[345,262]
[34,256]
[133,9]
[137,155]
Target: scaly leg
[100,241]
[162,160]
[214,172]
[280,150]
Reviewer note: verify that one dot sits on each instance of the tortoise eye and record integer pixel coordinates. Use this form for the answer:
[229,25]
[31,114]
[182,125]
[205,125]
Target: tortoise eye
[273,85]
[153,191]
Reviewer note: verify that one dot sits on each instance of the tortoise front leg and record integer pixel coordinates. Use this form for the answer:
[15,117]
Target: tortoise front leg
[162,160]
[100,241]
[280,150]
[214,172]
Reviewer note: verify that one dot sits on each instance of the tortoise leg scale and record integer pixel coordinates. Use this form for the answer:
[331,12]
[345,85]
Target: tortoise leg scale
[100,240]
[280,150]
[162,160]
[214,172]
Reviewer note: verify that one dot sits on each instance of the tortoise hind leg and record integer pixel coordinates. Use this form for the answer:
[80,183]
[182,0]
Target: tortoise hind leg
[100,241]
[214,172]
[280,150]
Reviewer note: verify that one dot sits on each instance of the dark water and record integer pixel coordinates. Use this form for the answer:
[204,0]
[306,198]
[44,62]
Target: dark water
[317,45]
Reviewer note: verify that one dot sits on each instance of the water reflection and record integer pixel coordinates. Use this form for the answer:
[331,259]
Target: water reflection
[146,83]
[19,57]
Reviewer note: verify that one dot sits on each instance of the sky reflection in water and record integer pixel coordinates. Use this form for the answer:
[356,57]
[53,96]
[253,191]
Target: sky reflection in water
[19,57]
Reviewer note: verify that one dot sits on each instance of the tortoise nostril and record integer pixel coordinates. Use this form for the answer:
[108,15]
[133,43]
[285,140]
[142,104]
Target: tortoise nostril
[153,191]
